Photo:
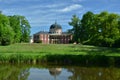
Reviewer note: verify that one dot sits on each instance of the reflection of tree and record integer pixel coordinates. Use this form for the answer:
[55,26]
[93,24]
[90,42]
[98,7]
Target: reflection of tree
[12,72]
[23,74]
[55,72]
[84,73]
[9,72]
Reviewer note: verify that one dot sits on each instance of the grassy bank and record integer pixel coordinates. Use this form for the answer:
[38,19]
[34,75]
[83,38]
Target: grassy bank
[59,53]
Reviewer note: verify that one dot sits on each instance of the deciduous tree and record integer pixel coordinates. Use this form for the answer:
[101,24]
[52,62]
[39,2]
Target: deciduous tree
[76,28]
[6,32]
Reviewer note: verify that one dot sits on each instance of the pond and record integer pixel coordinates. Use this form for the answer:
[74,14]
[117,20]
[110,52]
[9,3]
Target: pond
[52,72]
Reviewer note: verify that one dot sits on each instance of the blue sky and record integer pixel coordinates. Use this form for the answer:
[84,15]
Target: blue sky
[42,13]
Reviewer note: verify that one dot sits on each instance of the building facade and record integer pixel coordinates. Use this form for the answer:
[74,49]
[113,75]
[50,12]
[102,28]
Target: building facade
[54,36]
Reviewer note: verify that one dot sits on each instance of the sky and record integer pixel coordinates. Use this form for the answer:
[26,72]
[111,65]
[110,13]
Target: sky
[43,13]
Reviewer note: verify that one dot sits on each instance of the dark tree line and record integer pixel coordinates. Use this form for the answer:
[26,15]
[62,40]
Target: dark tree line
[96,29]
[13,29]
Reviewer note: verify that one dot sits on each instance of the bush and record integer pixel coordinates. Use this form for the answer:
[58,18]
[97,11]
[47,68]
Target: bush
[39,41]
[117,43]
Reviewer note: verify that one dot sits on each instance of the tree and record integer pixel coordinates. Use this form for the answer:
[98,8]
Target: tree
[88,27]
[97,29]
[21,28]
[6,32]
[25,26]
[108,23]
[15,24]
[76,28]
[13,29]
[117,41]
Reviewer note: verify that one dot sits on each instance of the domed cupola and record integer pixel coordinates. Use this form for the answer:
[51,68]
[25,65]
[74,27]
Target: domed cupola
[55,28]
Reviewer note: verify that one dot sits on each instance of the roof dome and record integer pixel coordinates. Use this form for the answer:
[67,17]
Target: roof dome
[55,26]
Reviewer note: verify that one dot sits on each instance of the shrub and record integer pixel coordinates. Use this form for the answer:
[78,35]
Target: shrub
[39,41]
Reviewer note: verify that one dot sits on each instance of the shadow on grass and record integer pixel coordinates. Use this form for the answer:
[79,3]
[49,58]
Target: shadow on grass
[92,50]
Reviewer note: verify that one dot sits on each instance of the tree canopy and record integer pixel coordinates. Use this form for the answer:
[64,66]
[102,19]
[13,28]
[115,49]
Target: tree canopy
[101,29]
[76,28]
[13,29]
[21,28]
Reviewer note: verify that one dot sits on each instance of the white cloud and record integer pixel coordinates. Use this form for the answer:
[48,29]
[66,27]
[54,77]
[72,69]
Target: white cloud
[43,15]
[54,5]
[71,8]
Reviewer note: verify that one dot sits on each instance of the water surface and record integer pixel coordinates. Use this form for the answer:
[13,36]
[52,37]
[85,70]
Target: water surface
[40,72]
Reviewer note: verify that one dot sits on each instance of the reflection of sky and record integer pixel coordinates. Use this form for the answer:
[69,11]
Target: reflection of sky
[43,74]
[64,75]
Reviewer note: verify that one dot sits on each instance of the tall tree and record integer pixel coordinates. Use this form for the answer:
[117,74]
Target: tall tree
[76,28]
[15,24]
[109,28]
[88,27]
[117,42]
[6,32]
[97,29]
[21,28]
[25,26]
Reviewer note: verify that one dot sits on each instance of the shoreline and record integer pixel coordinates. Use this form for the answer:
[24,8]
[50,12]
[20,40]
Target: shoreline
[81,60]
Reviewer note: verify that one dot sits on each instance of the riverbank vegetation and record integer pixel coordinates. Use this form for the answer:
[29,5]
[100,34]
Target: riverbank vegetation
[59,54]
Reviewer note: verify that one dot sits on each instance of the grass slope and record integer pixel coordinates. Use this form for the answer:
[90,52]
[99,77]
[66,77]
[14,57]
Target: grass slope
[40,49]
[62,53]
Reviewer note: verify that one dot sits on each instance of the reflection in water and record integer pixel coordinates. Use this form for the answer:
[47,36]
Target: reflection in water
[18,72]
[10,72]
[85,73]
[49,74]
[55,72]
[23,74]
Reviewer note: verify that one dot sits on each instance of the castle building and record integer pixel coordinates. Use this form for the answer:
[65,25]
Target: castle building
[54,36]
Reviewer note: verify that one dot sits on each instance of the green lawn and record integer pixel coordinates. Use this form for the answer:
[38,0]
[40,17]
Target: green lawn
[56,52]
[73,49]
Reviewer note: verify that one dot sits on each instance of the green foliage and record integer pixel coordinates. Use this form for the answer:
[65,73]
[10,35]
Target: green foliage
[76,28]
[39,41]
[25,26]
[15,24]
[109,31]
[117,43]
[98,29]
[13,29]
[6,32]
[21,28]
[88,27]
